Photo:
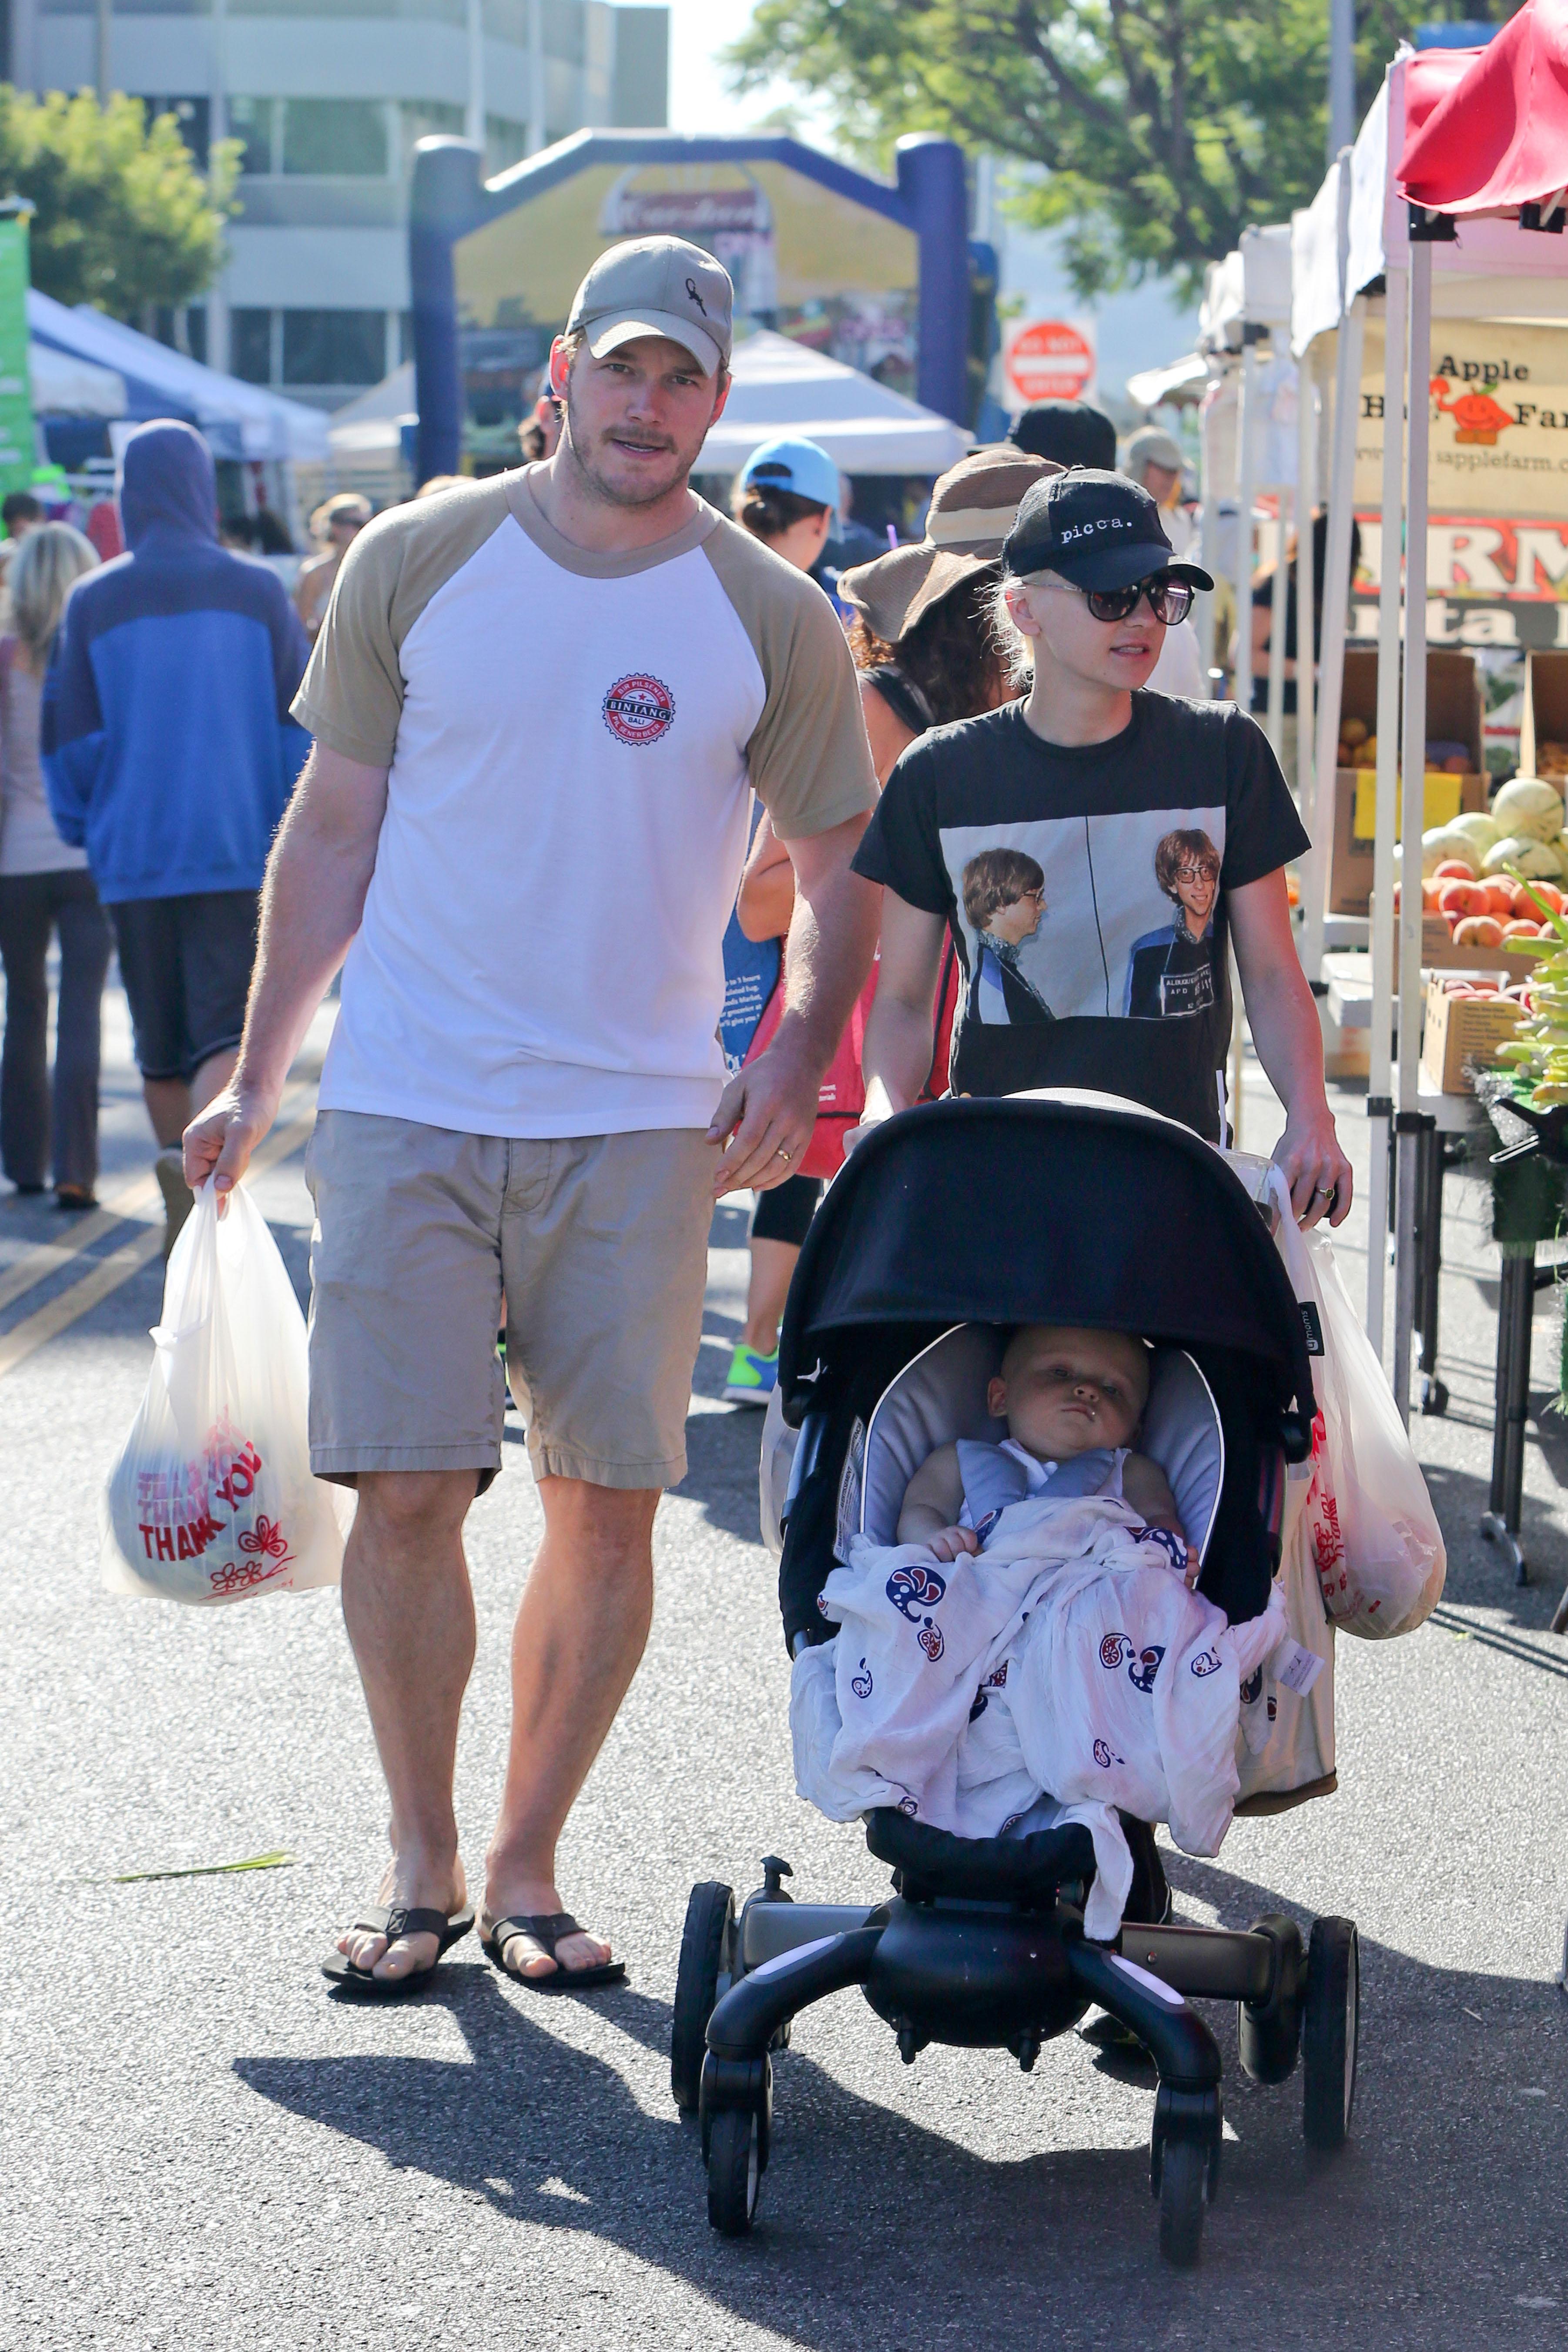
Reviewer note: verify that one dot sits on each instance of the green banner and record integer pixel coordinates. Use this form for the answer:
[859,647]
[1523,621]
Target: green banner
[16,458]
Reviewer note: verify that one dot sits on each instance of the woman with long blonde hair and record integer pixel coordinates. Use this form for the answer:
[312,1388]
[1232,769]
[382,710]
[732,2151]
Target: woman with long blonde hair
[45,887]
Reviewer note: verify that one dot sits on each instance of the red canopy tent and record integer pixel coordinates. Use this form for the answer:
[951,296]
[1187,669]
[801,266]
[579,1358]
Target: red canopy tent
[1494,136]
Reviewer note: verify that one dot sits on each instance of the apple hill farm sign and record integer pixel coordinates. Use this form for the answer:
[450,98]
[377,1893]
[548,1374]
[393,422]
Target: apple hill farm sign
[1498,420]
[1497,546]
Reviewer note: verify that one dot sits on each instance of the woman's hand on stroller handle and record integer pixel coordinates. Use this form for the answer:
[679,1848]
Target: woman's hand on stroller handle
[1309,1156]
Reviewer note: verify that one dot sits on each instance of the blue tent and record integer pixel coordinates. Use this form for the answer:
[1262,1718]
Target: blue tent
[237,420]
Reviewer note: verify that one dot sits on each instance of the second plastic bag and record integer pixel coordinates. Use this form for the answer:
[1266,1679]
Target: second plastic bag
[1368,1518]
[211,1498]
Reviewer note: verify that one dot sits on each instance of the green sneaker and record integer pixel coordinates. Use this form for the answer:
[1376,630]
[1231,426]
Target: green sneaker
[752,1378]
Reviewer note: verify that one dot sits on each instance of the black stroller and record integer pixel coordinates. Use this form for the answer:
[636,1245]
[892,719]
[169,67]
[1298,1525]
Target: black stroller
[951,1223]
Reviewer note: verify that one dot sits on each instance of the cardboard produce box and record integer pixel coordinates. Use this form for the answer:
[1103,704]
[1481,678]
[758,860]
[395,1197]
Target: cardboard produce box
[1454,714]
[1462,1032]
[1544,729]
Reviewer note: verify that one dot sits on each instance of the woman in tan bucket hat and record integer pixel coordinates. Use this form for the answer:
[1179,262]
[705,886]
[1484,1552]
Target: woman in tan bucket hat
[921,637]
[921,634]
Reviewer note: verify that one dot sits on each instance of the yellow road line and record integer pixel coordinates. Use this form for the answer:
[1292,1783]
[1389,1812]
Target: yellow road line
[107,1274]
[45,1258]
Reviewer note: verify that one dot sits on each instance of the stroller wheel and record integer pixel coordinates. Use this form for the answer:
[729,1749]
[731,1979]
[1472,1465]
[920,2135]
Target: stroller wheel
[1330,2030]
[1184,2193]
[734,2170]
[705,1955]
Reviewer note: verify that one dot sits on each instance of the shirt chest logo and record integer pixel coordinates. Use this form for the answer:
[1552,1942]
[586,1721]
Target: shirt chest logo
[639,709]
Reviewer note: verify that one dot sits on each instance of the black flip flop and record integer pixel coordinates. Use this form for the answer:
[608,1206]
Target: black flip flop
[549,1928]
[363,1984]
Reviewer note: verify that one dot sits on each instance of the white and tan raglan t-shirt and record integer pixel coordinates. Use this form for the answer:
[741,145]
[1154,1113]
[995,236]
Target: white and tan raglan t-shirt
[572,739]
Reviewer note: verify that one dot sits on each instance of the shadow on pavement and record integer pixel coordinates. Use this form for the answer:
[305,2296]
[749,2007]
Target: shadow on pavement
[1479,1575]
[859,2192]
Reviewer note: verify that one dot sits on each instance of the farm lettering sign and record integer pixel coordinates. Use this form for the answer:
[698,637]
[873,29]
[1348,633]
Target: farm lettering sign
[1498,410]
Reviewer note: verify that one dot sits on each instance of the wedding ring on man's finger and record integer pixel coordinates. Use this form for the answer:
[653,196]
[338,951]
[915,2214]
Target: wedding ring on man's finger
[783,1152]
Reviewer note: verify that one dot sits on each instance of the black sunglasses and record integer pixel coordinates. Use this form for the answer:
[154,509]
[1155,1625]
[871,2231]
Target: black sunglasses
[1169,600]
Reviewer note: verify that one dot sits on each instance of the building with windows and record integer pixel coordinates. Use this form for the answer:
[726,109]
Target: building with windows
[328,99]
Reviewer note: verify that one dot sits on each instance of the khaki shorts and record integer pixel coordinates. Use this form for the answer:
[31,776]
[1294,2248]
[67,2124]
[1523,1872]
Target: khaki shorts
[601,1245]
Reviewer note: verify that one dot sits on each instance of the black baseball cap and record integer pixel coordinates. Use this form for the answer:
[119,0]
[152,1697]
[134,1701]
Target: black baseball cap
[1067,432]
[1097,529]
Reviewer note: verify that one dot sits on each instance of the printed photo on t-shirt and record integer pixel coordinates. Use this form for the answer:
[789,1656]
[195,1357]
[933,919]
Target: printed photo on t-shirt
[1084,918]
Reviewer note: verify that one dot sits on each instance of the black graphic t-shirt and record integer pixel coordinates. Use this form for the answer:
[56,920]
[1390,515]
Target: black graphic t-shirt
[1086,889]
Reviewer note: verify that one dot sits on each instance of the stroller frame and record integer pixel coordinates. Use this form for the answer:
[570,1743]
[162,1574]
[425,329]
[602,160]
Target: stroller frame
[1008,1974]
[981,1942]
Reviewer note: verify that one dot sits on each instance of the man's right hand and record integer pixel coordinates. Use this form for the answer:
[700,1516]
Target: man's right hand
[219,1141]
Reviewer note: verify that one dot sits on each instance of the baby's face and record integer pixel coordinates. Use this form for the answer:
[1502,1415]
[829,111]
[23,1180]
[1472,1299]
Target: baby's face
[1064,1393]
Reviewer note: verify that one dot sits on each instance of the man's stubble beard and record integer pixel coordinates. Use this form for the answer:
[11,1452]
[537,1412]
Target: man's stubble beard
[612,493]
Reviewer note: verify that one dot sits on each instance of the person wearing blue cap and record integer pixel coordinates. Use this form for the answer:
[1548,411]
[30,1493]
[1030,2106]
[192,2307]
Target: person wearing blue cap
[784,495]
[787,495]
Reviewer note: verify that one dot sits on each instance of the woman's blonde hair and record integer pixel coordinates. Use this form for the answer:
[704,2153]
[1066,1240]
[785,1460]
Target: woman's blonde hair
[1011,646]
[49,562]
[344,506]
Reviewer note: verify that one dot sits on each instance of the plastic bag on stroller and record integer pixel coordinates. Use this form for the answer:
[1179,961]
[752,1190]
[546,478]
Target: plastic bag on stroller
[211,1497]
[1367,1522]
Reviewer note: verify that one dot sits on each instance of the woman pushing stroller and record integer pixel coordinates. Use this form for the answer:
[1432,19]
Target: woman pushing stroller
[1152,832]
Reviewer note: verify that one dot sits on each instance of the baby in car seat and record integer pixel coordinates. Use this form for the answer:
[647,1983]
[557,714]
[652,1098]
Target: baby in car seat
[1072,1401]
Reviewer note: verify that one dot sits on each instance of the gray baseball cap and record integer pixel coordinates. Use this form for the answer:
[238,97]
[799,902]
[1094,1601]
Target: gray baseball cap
[657,286]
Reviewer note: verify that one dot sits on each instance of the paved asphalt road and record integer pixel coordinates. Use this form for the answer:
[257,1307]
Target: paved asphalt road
[199,2150]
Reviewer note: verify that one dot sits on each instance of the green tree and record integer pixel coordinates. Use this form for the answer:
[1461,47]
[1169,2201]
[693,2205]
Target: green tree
[123,218]
[1157,129]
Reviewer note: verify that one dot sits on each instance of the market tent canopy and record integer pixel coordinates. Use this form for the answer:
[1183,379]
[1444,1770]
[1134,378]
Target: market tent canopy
[782,387]
[1184,381]
[1527,279]
[237,420]
[65,386]
[371,427]
[1495,139]
[1318,260]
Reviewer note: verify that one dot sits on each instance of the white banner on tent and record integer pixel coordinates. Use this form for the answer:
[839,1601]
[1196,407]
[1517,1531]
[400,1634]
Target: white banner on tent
[1498,418]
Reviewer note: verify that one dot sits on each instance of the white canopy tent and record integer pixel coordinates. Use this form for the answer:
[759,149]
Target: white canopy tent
[1481,271]
[1246,430]
[1184,383]
[63,385]
[370,429]
[782,387]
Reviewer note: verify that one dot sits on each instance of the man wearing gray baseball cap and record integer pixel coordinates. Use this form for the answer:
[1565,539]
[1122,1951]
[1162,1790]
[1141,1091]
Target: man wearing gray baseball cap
[540,705]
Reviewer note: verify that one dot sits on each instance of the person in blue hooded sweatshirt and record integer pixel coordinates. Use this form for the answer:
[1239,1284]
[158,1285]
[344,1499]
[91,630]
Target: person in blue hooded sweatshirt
[169,755]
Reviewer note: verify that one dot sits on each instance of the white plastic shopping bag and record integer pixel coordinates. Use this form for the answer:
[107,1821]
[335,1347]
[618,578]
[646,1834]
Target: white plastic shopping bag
[1368,1521]
[212,1497]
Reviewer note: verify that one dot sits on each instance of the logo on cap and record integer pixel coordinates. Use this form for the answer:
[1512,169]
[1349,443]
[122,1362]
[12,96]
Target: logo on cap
[639,709]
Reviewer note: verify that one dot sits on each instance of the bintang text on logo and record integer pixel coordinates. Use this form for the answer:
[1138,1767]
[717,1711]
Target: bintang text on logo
[639,709]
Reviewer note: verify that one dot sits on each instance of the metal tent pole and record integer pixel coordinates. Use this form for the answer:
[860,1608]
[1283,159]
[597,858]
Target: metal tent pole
[1279,606]
[1414,809]
[1306,590]
[1336,595]
[1208,539]
[1245,422]
[1380,1075]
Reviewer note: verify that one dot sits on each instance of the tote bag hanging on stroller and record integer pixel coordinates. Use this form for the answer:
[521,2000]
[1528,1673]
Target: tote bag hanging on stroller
[211,1498]
[1367,1526]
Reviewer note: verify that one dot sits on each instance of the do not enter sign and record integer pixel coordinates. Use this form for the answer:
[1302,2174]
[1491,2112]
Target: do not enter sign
[1049,359]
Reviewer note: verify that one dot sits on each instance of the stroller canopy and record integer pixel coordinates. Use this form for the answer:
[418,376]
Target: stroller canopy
[1056,1207]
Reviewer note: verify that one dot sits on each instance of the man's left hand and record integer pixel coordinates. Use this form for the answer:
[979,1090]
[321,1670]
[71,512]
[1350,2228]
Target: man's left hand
[764,1120]
[1315,1167]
